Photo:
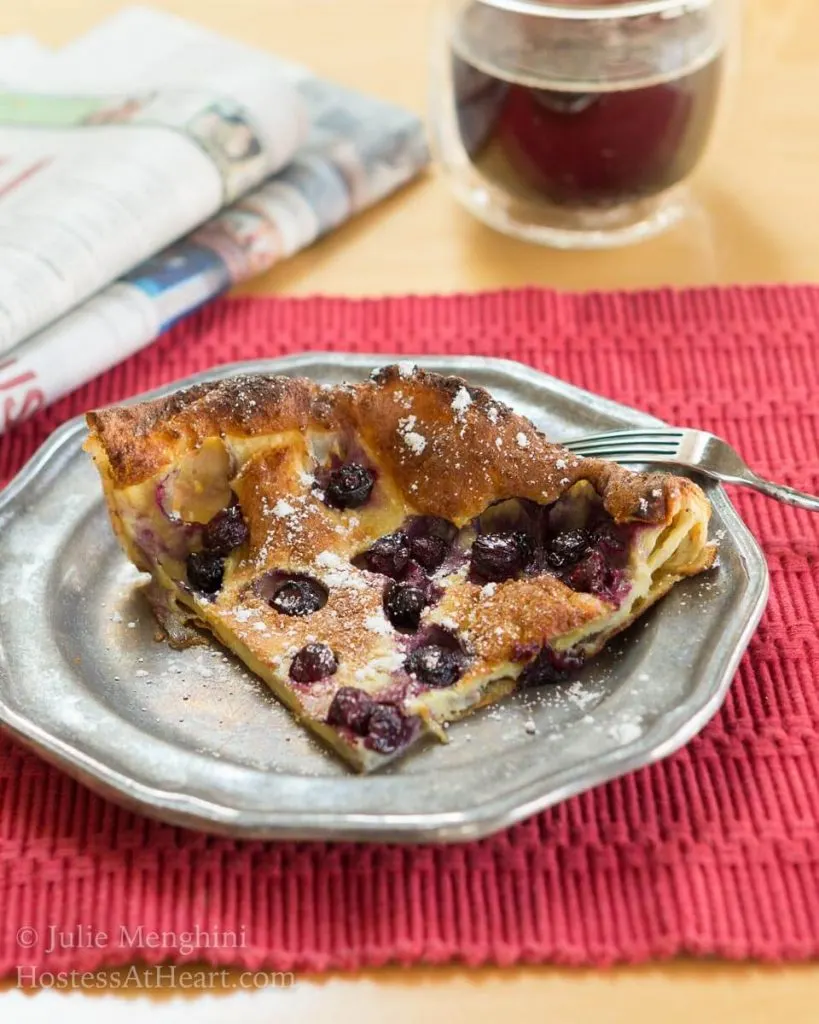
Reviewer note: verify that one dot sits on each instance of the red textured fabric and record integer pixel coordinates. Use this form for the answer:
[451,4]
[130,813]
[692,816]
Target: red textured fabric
[712,852]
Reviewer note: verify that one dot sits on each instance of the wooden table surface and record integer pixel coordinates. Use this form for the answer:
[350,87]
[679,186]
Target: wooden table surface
[758,221]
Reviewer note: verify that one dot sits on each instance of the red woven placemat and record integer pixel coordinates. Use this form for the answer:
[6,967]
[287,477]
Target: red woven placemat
[714,851]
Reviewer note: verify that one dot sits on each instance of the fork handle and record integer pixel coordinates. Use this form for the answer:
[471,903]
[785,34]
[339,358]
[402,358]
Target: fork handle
[782,493]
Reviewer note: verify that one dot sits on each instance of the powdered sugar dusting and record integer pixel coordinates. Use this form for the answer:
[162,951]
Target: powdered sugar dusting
[339,573]
[625,732]
[406,369]
[522,440]
[447,622]
[372,674]
[290,518]
[378,624]
[414,441]
[581,697]
[329,560]
[461,402]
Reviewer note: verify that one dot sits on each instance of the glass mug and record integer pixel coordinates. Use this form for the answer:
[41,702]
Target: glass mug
[574,124]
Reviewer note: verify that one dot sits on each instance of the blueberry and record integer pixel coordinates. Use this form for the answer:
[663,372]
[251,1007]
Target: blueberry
[434,665]
[385,729]
[389,555]
[497,556]
[313,662]
[431,538]
[429,551]
[349,486]
[299,597]
[225,531]
[566,548]
[609,539]
[565,661]
[590,575]
[549,667]
[351,708]
[206,570]
[403,604]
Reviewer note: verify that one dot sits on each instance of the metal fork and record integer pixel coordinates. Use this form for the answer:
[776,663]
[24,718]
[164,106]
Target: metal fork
[694,449]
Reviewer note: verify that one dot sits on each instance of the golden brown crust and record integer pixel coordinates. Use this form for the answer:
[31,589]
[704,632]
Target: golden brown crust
[275,539]
[142,439]
[477,451]
[512,621]
[450,448]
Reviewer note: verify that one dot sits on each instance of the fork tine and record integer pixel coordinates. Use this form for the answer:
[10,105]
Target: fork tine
[629,455]
[628,458]
[585,442]
[622,444]
[596,448]
[635,455]
[637,434]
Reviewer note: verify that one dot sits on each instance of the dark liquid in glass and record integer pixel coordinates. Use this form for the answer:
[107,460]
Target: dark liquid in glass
[586,148]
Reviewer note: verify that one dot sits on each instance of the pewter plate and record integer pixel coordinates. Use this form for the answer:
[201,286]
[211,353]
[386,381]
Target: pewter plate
[193,738]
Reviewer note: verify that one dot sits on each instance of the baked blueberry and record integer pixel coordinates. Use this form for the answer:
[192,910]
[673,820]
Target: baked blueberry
[431,539]
[349,486]
[385,729]
[299,597]
[609,539]
[205,570]
[497,556]
[225,531]
[313,662]
[590,575]
[403,604]
[389,555]
[351,708]
[429,551]
[566,547]
[435,665]
[549,667]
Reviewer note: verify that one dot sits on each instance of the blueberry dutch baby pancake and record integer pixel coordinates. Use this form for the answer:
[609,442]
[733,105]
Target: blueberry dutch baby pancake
[387,556]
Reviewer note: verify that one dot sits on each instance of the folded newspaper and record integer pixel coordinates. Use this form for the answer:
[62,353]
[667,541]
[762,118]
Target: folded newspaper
[117,154]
